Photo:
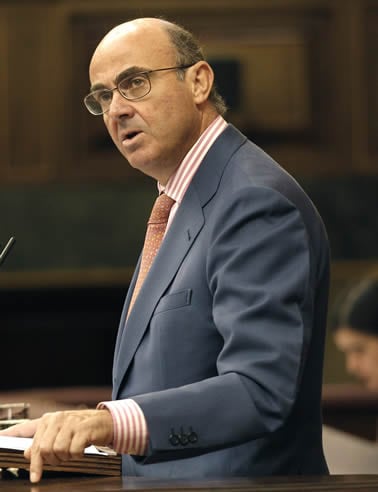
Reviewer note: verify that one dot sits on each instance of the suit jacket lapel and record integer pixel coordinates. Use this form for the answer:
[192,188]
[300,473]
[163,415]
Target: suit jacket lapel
[187,223]
[124,315]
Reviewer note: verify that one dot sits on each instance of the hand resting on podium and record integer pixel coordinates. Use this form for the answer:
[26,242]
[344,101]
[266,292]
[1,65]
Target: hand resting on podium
[62,436]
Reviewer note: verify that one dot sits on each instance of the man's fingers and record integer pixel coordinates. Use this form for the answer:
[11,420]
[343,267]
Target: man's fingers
[62,445]
[45,440]
[36,467]
[78,445]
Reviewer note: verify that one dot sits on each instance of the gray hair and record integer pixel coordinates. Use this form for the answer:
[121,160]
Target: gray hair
[188,51]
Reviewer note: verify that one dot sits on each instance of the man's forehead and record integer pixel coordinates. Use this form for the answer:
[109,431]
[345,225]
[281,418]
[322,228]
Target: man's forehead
[143,44]
[134,46]
[146,34]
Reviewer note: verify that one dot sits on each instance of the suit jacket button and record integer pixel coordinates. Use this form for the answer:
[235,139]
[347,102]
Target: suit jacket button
[192,437]
[184,440]
[174,438]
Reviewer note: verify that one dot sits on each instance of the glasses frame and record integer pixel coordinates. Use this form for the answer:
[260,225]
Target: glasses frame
[145,72]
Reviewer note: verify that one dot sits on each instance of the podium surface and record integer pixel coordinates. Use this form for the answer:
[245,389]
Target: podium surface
[349,483]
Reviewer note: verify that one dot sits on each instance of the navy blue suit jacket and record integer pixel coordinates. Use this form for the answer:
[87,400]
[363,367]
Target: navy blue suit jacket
[223,349]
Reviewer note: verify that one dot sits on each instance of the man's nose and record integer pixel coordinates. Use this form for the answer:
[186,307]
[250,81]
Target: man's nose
[119,106]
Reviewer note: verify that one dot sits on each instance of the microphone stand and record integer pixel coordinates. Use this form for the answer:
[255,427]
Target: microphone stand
[6,249]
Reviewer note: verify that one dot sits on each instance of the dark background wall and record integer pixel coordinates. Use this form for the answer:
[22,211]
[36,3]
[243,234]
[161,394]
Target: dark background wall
[300,78]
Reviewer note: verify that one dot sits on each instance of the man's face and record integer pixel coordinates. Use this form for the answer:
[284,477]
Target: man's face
[155,132]
[361,354]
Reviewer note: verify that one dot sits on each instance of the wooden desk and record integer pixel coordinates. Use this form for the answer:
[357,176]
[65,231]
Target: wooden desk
[349,483]
[351,408]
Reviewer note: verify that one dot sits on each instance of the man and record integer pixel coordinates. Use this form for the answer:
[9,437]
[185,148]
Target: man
[218,360]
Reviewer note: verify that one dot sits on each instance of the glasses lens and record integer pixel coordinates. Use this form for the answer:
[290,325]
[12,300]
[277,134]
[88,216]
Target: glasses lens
[98,102]
[135,86]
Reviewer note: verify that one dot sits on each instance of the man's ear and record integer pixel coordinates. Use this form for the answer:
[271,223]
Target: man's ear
[202,79]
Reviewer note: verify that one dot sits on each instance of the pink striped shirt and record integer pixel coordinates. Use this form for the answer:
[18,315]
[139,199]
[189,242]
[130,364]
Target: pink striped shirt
[130,435]
[178,183]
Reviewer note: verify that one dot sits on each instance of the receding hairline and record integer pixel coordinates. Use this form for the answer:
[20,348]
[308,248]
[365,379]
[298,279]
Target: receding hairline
[134,25]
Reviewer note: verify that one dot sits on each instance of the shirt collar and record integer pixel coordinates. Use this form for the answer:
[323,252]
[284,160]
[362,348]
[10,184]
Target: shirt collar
[182,177]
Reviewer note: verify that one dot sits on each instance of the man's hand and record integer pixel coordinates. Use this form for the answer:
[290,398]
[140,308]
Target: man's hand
[63,436]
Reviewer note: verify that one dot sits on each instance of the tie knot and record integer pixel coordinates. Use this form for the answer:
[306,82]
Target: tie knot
[161,209]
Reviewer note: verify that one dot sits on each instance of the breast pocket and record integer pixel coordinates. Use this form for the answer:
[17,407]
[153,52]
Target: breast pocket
[174,301]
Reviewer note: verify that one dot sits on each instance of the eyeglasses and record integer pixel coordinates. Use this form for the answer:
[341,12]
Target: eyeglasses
[131,87]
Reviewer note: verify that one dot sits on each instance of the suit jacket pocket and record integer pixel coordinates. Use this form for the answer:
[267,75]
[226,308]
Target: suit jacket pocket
[174,300]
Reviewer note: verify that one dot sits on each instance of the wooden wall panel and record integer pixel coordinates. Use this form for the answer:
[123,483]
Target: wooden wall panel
[284,60]
[371,74]
[285,66]
[306,90]
[264,60]
[4,89]
[27,79]
[25,91]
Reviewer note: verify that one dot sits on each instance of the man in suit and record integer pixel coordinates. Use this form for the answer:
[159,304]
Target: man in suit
[218,360]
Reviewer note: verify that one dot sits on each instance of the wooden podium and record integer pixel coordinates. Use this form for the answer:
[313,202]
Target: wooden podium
[335,483]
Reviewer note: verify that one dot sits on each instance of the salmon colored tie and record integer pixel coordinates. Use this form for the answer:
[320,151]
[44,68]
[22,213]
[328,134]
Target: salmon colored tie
[156,226]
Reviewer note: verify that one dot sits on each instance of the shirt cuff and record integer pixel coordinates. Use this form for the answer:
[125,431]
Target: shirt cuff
[130,434]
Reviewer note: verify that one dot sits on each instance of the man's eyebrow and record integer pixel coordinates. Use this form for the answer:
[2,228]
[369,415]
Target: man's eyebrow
[120,76]
[129,71]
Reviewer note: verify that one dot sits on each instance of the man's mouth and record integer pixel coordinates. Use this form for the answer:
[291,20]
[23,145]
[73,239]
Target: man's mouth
[130,135]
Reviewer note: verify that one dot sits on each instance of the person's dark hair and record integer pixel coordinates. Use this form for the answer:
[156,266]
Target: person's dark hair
[358,309]
[189,52]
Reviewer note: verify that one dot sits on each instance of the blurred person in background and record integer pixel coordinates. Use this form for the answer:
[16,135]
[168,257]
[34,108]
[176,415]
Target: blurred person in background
[355,331]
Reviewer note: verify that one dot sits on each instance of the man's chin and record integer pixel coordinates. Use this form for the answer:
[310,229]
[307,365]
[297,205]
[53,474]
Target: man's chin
[143,165]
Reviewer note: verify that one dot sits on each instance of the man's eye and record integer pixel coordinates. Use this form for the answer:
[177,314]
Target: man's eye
[136,82]
[103,96]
